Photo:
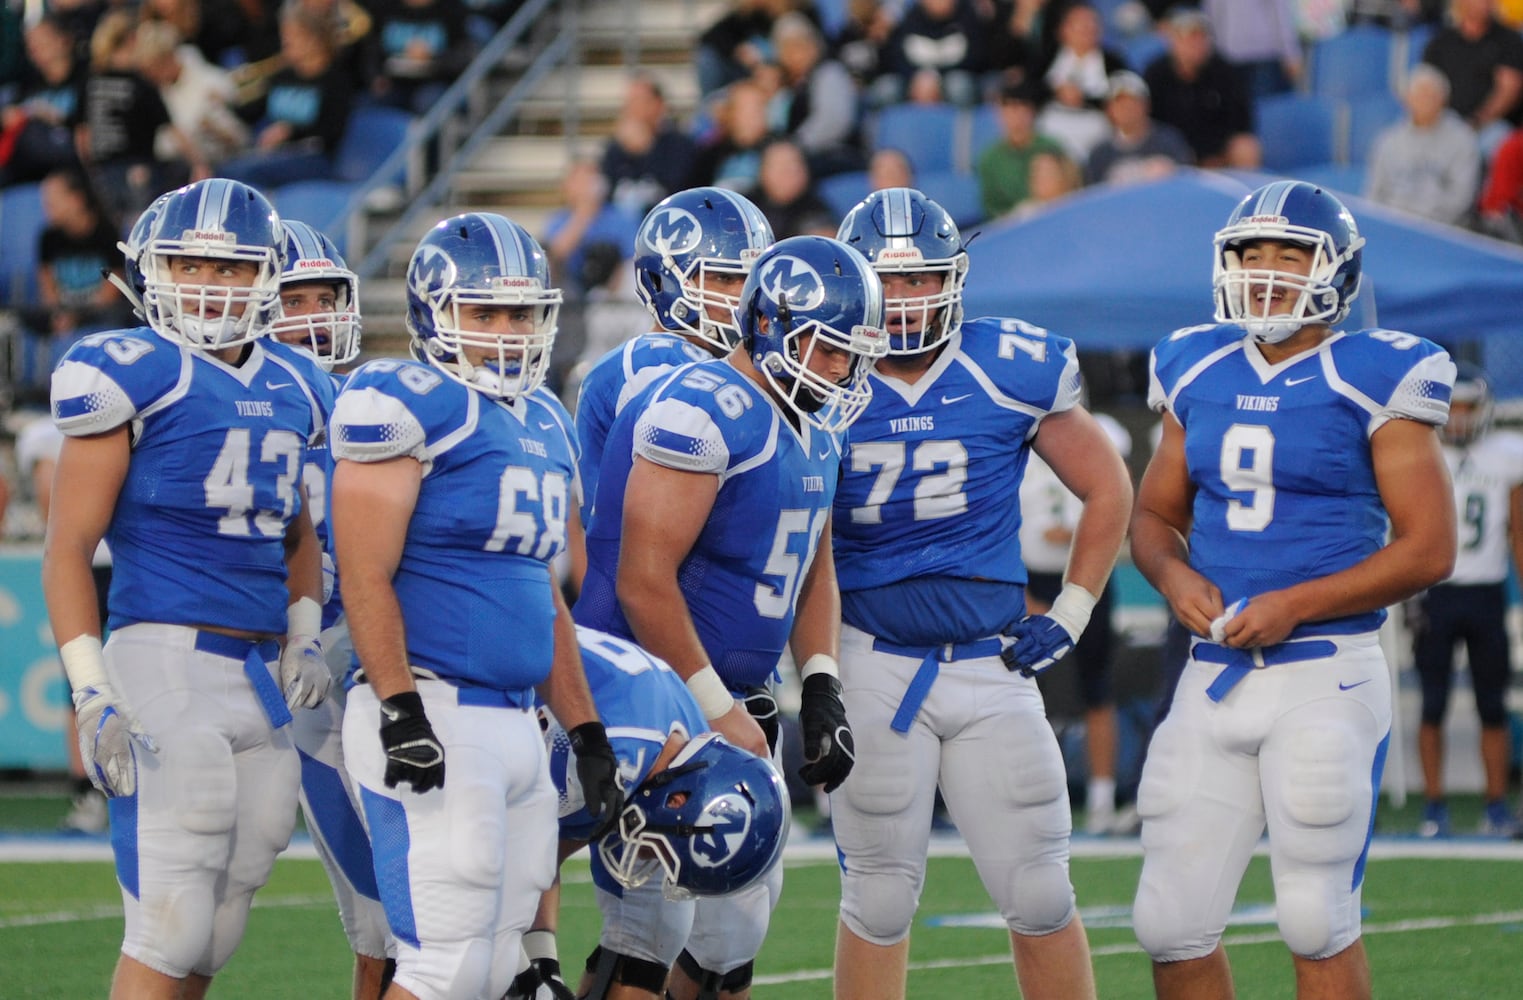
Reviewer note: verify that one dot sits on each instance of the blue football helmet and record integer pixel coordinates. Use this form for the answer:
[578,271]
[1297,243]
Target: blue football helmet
[135,285]
[684,239]
[475,260]
[901,231]
[1470,405]
[216,219]
[1290,212]
[804,291]
[332,335]
[712,822]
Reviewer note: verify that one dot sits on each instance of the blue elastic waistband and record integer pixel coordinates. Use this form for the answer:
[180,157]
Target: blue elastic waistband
[931,658]
[235,648]
[1240,662]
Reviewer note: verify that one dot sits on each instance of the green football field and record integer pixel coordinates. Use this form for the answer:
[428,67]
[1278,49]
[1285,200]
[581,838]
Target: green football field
[1444,926]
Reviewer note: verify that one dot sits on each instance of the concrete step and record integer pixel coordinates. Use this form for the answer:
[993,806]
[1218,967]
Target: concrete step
[514,163]
[599,91]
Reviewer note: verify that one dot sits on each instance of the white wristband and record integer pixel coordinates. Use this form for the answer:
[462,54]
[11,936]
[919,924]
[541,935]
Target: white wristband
[819,663]
[714,699]
[83,663]
[1072,609]
[305,617]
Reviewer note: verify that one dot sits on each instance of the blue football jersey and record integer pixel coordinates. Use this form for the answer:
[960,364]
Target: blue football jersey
[742,577]
[198,533]
[316,474]
[474,580]
[618,377]
[1279,455]
[641,702]
[931,487]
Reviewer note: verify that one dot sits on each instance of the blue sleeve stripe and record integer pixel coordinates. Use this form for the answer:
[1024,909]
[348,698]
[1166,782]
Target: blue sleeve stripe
[365,433]
[76,406]
[681,444]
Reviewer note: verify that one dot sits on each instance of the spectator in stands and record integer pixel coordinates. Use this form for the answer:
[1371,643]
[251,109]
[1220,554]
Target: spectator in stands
[860,40]
[1484,64]
[1501,205]
[1259,38]
[1139,149]
[305,112]
[1053,176]
[1429,164]
[785,192]
[118,122]
[731,158]
[241,33]
[199,96]
[420,46]
[889,168]
[35,131]
[1004,167]
[934,54]
[351,25]
[819,98]
[76,250]
[1077,81]
[648,157]
[740,42]
[589,238]
[1195,90]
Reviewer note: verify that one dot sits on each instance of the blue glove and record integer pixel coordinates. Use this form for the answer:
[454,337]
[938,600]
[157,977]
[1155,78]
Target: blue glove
[1039,643]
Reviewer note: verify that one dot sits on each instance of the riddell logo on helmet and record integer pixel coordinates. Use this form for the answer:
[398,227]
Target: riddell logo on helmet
[313,264]
[912,254]
[515,281]
[207,236]
[1266,220]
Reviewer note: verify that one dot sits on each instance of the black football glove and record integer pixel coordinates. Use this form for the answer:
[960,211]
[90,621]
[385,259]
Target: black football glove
[763,708]
[829,751]
[542,977]
[413,752]
[597,770]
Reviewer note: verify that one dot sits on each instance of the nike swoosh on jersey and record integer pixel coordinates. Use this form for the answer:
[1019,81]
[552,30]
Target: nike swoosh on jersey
[545,426]
[1297,381]
[825,454]
[276,385]
[1349,687]
[949,400]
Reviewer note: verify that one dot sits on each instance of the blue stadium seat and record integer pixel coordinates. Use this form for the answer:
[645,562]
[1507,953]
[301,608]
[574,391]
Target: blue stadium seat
[955,191]
[926,133]
[1296,130]
[1352,64]
[842,191]
[833,14]
[1336,177]
[1140,51]
[1417,38]
[984,131]
[373,132]
[22,221]
[1368,115]
[320,204]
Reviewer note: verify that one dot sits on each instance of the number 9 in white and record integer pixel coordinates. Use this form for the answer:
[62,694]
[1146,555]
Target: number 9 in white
[1248,467]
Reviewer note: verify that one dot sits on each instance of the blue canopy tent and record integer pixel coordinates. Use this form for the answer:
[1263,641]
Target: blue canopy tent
[1121,267]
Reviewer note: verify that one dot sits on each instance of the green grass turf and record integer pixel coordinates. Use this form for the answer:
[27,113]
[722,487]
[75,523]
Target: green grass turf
[60,926]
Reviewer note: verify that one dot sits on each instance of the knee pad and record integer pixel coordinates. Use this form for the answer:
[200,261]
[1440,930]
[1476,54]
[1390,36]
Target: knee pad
[608,967]
[1162,929]
[879,907]
[1316,920]
[1039,901]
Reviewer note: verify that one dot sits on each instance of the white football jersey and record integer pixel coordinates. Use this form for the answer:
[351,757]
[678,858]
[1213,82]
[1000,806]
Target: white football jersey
[1046,504]
[1485,474]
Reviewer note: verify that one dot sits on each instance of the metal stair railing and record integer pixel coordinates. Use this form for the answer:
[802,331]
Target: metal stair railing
[440,123]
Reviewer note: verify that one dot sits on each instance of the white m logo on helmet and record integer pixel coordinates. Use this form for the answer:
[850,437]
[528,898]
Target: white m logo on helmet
[792,280]
[674,230]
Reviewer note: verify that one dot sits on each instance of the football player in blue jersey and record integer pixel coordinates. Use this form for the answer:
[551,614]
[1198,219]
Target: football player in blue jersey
[454,479]
[702,818]
[318,310]
[1298,490]
[692,255]
[928,556]
[185,445]
[710,539]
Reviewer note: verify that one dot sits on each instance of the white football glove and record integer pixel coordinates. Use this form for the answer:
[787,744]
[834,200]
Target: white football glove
[108,733]
[304,676]
[106,740]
